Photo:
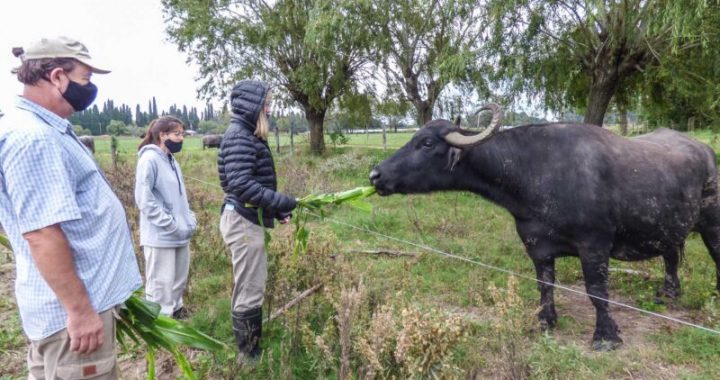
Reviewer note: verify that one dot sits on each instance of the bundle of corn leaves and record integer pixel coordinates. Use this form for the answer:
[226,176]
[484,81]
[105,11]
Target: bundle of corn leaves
[140,319]
[352,197]
[318,202]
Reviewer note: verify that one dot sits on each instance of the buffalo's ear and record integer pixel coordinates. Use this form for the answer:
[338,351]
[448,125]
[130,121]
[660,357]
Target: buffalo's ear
[457,121]
[454,156]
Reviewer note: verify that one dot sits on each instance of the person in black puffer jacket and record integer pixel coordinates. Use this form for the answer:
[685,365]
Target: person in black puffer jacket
[247,175]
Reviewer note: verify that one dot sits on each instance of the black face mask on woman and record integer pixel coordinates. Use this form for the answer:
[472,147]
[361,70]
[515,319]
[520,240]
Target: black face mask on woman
[80,96]
[173,146]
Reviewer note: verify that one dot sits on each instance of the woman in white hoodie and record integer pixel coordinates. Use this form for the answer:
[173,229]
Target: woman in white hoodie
[166,221]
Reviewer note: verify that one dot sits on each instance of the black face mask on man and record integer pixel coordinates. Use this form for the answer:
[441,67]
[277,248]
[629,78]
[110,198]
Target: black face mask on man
[80,96]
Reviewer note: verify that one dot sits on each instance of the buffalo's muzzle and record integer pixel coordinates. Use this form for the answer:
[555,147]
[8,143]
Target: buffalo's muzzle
[374,176]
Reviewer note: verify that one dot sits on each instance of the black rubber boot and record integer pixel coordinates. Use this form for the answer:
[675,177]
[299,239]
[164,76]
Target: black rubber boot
[247,327]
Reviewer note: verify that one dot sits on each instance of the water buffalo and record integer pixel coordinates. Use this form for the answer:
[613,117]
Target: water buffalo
[211,141]
[89,142]
[574,190]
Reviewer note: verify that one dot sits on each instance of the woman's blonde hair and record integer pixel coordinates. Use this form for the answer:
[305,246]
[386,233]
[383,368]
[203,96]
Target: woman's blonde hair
[263,125]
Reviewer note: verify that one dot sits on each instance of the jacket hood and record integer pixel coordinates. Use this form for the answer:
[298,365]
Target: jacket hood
[153,148]
[246,101]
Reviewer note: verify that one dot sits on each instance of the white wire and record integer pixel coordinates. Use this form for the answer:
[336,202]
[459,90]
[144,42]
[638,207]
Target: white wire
[503,270]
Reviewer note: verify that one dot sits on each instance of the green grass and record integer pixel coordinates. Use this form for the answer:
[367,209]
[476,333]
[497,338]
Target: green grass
[458,223]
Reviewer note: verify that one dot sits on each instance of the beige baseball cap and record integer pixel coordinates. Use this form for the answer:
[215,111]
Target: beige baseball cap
[61,47]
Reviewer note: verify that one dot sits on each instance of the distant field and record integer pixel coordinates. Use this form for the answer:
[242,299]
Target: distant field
[372,140]
[395,140]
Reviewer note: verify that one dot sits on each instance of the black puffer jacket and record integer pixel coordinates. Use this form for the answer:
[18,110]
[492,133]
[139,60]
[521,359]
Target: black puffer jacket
[245,164]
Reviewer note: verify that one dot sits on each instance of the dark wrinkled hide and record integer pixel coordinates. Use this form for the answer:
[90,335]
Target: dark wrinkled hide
[212,141]
[576,190]
[89,142]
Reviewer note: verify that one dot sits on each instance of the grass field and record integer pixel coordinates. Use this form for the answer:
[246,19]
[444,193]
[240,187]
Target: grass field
[418,315]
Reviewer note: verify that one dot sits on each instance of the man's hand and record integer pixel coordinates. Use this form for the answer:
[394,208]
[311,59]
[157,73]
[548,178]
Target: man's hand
[85,330]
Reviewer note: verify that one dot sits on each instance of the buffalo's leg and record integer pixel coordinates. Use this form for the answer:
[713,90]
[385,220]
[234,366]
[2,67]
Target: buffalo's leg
[671,286]
[545,270]
[595,271]
[711,238]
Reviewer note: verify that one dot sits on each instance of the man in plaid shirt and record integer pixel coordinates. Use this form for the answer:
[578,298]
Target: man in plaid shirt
[73,250]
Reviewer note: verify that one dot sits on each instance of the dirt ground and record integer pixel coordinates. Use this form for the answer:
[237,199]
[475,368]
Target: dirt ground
[635,330]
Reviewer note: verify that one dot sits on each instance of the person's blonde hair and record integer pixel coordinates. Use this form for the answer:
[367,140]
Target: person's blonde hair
[263,125]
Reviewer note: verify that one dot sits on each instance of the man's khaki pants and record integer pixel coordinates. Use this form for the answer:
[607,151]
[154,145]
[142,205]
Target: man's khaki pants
[246,241]
[51,358]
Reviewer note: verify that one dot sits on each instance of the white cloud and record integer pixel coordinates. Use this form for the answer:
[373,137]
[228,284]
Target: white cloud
[127,37]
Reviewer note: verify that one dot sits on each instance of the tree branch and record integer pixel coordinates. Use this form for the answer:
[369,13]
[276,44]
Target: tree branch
[294,302]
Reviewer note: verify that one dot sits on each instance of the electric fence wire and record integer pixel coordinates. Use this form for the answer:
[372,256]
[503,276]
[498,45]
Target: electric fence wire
[499,269]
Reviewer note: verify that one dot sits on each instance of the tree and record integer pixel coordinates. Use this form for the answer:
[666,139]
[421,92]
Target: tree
[153,109]
[428,45]
[80,131]
[313,49]
[683,92]
[211,126]
[117,128]
[583,52]
[393,111]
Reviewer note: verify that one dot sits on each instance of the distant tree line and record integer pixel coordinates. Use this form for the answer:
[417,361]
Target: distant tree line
[109,118]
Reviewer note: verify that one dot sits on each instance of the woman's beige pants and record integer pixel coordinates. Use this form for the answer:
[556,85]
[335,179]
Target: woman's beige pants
[246,242]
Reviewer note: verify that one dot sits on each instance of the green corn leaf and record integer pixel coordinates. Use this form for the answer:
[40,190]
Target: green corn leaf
[184,365]
[317,201]
[5,242]
[140,310]
[266,234]
[150,356]
[361,205]
[124,330]
[186,335]
[140,320]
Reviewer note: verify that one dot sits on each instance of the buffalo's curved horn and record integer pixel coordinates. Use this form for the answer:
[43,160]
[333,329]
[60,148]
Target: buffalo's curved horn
[459,140]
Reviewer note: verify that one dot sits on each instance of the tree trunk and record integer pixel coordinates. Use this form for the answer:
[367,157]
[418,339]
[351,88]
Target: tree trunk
[317,135]
[292,132]
[622,109]
[277,138]
[424,110]
[114,151]
[384,132]
[602,89]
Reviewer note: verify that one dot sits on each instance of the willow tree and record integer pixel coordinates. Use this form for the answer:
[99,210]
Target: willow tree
[426,45]
[314,49]
[683,92]
[581,53]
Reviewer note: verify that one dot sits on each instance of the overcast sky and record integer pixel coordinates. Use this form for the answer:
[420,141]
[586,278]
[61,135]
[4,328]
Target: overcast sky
[127,37]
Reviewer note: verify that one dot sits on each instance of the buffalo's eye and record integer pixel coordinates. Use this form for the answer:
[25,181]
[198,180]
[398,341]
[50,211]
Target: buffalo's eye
[428,143]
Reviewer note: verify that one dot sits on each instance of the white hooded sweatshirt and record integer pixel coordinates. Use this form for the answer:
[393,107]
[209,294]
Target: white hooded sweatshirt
[166,220]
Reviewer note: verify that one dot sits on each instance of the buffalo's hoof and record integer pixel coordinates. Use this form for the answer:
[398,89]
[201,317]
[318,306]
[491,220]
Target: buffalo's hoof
[606,345]
[668,292]
[546,325]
